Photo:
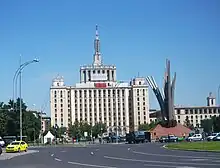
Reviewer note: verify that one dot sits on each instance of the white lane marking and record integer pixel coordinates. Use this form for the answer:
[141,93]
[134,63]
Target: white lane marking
[162,162]
[90,165]
[62,151]
[154,165]
[57,159]
[178,156]
[164,146]
[184,167]
[198,159]
[52,155]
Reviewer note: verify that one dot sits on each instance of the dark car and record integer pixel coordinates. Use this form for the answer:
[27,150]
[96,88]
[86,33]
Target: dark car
[169,138]
[0,150]
[163,139]
[172,138]
[136,137]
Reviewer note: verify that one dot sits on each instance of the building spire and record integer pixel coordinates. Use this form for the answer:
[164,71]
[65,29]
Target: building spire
[97,55]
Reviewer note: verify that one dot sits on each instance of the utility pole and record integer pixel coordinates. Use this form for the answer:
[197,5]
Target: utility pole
[20,102]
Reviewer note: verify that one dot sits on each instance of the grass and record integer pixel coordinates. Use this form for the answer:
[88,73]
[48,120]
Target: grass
[198,146]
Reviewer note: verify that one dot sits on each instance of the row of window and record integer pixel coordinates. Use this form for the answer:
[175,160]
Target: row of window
[199,111]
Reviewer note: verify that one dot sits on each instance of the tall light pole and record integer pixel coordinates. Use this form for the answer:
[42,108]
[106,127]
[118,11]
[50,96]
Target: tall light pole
[18,72]
[219,95]
[116,97]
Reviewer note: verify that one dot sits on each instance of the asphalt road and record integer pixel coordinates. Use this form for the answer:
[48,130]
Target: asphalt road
[113,156]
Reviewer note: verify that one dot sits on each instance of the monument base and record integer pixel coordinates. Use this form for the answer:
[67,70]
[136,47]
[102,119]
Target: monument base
[168,124]
[179,131]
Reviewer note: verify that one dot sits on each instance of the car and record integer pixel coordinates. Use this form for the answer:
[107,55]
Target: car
[209,138]
[0,150]
[216,138]
[17,146]
[163,139]
[2,142]
[195,137]
[172,138]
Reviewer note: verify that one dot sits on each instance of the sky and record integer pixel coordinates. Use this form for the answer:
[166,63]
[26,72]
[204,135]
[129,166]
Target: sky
[136,35]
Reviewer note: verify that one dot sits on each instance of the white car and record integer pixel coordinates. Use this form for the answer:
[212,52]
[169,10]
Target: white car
[195,137]
[2,142]
[209,138]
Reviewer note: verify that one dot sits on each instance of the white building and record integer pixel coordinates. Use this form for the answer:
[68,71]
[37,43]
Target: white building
[100,98]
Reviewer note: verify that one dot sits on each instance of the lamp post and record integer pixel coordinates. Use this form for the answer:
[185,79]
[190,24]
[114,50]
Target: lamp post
[18,72]
[219,95]
[56,129]
[116,87]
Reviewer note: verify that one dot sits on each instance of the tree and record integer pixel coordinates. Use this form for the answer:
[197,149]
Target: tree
[3,122]
[10,120]
[211,125]
[74,130]
[98,129]
[188,124]
[216,124]
[144,127]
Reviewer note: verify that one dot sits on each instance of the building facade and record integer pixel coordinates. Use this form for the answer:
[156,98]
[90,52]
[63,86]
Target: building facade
[99,97]
[45,124]
[194,114]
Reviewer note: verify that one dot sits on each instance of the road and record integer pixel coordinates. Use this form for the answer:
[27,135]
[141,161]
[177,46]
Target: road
[113,156]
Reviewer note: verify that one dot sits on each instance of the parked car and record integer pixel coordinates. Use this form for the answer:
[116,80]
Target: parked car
[210,138]
[195,137]
[163,139]
[169,138]
[0,150]
[172,138]
[2,142]
[136,137]
[216,138]
[17,146]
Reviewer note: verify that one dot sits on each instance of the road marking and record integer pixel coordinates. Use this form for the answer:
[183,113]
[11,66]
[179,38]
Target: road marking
[154,165]
[184,167]
[199,159]
[57,159]
[90,165]
[52,155]
[157,161]
[178,156]
[62,151]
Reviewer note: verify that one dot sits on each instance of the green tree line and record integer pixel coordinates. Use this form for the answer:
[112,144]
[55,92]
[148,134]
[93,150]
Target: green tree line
[10,120]
[77,130]
[10,123]
[211,125]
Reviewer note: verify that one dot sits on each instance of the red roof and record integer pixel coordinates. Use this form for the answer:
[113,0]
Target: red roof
[178,131]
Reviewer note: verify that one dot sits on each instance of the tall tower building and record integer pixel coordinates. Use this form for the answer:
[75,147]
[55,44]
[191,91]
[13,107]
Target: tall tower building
[99,97]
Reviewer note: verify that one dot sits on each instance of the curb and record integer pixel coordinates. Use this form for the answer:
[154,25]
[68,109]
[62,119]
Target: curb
[192,150]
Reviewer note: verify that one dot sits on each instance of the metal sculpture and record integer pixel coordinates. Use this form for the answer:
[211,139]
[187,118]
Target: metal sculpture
[165,98]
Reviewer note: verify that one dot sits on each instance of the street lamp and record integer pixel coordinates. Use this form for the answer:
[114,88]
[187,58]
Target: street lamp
[18,72]
[56,129]
[219,95]
[116,87]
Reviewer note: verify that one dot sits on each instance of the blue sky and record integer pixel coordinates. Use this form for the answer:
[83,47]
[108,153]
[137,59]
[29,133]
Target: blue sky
[136,35]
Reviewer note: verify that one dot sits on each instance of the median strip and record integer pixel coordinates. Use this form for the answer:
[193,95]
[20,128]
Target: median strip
[195,146]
